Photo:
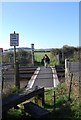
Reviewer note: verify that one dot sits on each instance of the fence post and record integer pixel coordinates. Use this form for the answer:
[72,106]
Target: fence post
[66,68]
[70,86]
[15,65]
[36,97]
[17,75]
[54,99]
[32,47]
[43,102]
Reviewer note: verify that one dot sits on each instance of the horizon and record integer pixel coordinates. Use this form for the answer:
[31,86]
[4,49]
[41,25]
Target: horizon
[41,48]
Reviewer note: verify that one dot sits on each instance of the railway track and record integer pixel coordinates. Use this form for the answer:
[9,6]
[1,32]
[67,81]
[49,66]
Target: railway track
[25,74]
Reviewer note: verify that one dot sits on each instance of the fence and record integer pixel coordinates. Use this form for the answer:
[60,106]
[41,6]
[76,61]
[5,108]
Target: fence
[24,75]
[75,69]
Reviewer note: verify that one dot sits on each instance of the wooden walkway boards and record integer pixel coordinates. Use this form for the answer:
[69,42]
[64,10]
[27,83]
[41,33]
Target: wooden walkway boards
[44,77]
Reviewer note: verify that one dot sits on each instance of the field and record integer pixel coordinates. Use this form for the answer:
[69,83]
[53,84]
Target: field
[39,55]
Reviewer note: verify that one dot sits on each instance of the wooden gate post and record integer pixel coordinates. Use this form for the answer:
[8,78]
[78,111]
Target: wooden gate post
[17,75]
[32,47]
[43,101]
[54,99]
[70,86]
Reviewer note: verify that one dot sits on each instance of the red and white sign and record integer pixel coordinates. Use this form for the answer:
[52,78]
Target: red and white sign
[14,39]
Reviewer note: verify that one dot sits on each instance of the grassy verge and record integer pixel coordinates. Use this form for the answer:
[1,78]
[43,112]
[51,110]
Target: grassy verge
[61,110]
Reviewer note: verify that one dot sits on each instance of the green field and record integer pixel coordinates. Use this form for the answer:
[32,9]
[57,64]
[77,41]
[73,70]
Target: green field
[39,55]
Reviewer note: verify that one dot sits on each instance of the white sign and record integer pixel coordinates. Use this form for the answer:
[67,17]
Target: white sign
[14,39]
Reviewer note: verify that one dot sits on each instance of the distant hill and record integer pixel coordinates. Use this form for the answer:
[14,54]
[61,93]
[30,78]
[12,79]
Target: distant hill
[20,48]
[26,49]
[41,50]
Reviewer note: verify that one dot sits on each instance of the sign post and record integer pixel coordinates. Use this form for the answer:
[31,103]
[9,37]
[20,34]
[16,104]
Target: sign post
[15,65]
[14,41]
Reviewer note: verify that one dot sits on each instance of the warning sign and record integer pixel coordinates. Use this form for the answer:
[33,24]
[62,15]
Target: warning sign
[14,39]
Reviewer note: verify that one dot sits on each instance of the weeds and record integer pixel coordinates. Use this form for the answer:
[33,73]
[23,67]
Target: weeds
[64,109]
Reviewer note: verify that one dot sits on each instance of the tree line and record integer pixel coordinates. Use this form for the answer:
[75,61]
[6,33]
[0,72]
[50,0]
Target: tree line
[25,57]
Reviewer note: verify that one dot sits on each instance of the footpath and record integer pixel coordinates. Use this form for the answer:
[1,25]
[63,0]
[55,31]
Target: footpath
[44,77]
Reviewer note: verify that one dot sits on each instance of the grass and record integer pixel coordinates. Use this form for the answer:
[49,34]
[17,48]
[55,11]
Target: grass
[11,89]
[62,109]
[39,55]
[60,95]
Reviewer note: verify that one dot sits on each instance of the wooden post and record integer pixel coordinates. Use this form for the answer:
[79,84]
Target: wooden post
[54,99]
[42,97]
[32,47]
[16,70]
[17,75]
[62,54]
[14,41]
[43,101]
[70,86]
[36,97]
[15,65]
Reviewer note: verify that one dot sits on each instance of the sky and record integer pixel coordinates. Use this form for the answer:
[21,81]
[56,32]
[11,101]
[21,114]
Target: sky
[45,24]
